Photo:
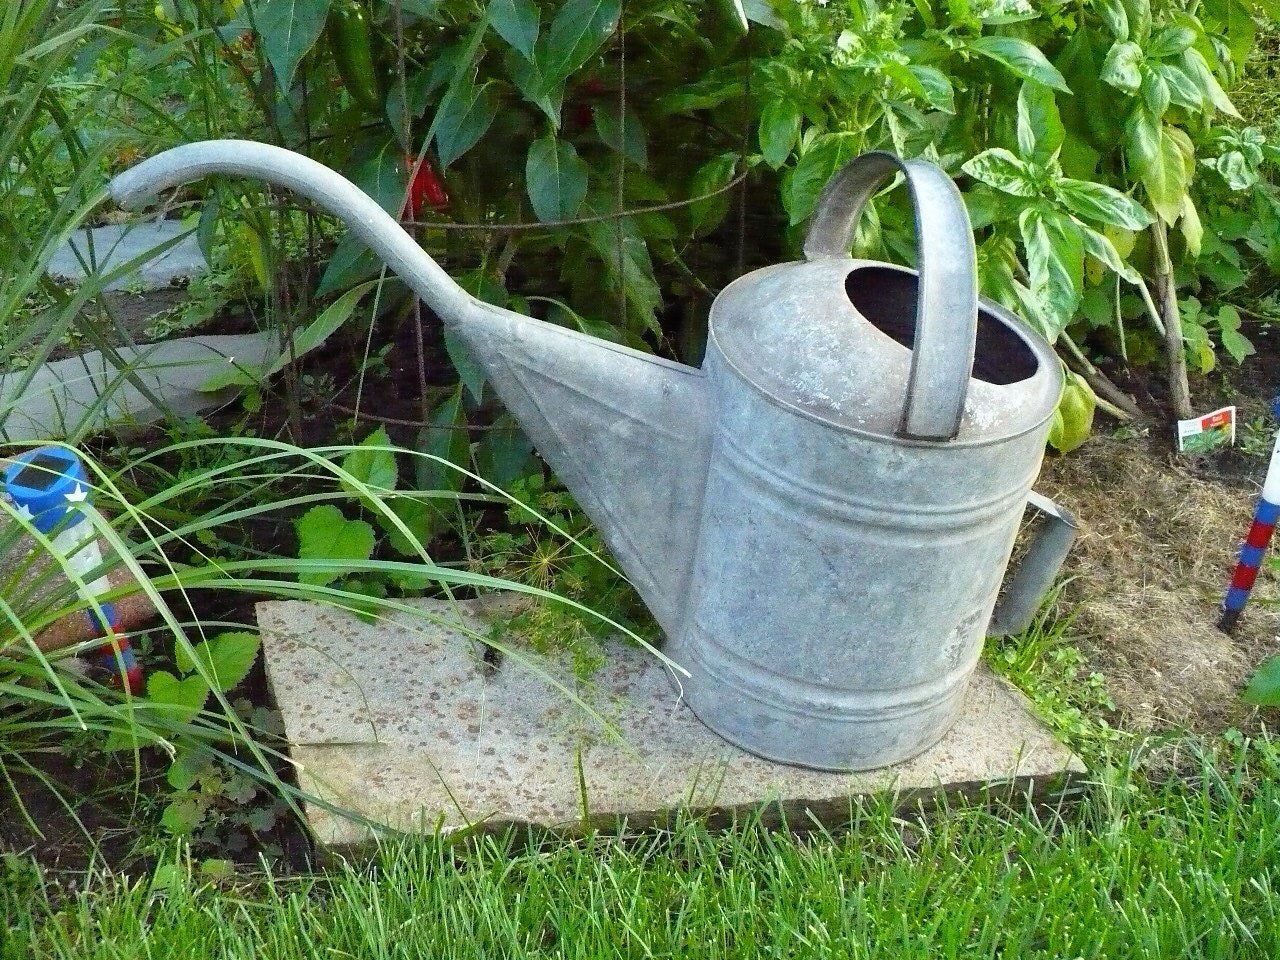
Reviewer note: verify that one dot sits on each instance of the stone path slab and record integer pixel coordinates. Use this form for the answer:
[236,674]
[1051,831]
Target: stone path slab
[404,723]
[117,244]
[141,385]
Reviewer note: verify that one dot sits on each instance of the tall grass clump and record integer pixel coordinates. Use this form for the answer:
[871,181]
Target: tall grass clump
[199,524]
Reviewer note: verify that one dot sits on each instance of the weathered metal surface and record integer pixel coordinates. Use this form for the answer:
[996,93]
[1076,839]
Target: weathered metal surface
[819,518]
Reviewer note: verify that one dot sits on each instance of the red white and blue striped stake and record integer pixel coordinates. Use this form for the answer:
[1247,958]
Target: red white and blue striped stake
[1255,545]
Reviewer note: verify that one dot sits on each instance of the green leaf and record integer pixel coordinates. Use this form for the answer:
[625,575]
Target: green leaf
[935,86]
[704,94]
[380,172]
[1142,140]
[1040,130]
[819,163]
[1001,169]
[470,373]
[1235,170]
[1182,89]
[763,13]
[556,179]
[997,260]
[1121,67]
[1055,263]
[638,286]
[1113,15]
[907,80]
[411,98]
[1170,42]
[1167,179]
[1195,66]
[987,205]
[1139,15]
[505,454]
[383,175]
[628,139]
[779,128]
[186,768]
[446,439]
[1264,685]
[528,79]
[1091,114]
[305,340]
[1095,201]
[705,215]
[289,29]
[371,466]
[465,115]
[1232,24]
[182,699]
[422,517]
[1233,341]
[325,534]
[227,657]
[1155,92]
[180,817]
[579,29]
[1025,60]
[1100,247]
[1191,227]
[516,21]
[725,20]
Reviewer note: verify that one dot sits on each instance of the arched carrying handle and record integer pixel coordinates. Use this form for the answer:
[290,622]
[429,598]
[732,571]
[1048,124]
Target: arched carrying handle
[947,296]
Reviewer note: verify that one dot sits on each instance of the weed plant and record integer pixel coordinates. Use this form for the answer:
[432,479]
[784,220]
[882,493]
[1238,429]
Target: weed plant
[1186,868]
[178,519]
[1044,663]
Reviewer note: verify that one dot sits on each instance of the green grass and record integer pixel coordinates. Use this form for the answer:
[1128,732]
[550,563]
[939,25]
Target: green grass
[1184,869]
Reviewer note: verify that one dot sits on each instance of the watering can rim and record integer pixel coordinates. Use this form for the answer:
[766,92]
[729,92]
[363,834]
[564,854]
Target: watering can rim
[1045,357]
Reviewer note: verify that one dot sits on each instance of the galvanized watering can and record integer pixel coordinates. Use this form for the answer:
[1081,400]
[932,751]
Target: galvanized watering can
[820,517]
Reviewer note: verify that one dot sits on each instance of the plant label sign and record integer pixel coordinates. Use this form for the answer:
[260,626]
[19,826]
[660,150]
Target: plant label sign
[1201,434]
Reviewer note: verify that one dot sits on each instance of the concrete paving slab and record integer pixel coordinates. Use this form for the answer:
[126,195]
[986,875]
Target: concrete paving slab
[114,245]
[404,723]
[139,385]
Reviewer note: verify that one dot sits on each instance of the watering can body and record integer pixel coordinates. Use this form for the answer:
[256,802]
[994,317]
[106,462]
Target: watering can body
[821,516]
[843,579]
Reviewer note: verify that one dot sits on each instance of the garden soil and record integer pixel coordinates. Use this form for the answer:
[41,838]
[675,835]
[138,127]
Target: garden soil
[1159,537]
[1157,544]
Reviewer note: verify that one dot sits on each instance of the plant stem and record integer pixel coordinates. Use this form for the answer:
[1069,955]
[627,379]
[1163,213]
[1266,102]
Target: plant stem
[1175,354]
[1110,398]
[1152,310]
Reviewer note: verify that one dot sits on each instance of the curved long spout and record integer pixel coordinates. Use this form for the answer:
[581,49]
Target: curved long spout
[329,190]
[628,433]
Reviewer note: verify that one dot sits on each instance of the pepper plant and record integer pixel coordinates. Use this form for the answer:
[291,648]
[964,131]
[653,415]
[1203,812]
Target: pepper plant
[578,151]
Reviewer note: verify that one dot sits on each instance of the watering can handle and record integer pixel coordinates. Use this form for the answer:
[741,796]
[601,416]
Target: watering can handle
[1039,568]
[947,301]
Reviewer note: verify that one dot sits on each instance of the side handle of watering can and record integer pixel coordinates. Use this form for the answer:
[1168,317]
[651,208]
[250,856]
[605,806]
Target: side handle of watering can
[947,297]
[1036,573]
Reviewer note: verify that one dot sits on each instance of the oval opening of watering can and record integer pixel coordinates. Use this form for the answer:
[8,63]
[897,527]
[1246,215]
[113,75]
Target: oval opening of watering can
[820,517]
[880,348]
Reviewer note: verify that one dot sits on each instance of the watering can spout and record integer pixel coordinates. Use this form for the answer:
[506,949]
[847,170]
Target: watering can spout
[585,403]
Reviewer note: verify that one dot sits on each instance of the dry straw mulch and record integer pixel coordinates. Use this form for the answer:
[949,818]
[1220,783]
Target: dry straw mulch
[1159,538]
